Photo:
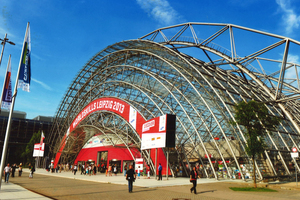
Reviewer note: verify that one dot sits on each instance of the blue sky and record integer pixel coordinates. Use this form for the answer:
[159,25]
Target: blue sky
[65,34]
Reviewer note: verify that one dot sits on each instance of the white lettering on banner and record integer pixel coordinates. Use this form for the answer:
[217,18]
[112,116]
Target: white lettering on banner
[102,104]
[148,125]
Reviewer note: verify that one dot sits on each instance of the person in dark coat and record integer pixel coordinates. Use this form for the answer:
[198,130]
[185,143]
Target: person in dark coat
[130,177]
[193,178]
[13,170]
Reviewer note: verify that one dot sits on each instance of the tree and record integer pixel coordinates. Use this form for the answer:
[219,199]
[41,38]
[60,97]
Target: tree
[257,121]
[27,154]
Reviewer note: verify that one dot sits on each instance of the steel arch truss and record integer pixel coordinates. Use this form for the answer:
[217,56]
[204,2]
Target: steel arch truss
[179,70]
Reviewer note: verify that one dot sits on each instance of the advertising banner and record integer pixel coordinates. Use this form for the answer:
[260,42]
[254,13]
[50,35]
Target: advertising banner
[153,133]
[139,164]
[38,150]
[159,132]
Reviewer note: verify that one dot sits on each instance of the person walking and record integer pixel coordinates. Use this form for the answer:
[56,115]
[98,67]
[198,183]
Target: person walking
[109,170]
[115,169]
[95,169]
[7,171]
[75,169]
[20,169]
[139,172]
[125,169]
[148,171]
[130,177]
[31,170]
[82,170]
[193,179]
[159,172]
[13,170]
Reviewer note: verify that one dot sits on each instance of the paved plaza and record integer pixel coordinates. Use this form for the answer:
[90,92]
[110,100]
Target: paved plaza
[65,185]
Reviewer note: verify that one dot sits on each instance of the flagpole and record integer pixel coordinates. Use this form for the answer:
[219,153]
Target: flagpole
[4,151]
[3,41]
[4,82]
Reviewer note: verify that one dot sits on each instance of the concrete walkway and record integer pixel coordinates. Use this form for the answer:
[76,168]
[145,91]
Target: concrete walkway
[13,191]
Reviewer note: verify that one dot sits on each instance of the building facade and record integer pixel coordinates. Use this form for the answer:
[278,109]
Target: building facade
[195,71]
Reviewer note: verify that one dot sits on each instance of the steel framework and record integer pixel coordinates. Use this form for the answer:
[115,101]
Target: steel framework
[181,70]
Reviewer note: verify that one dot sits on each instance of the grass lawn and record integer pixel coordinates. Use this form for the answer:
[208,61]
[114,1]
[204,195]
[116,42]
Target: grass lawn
[252,189]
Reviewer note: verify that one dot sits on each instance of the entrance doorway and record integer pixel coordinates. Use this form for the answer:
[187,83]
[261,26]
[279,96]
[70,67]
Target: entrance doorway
[102,161]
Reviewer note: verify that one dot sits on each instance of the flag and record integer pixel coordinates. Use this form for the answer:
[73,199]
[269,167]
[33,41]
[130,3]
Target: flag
[42,138]
[42,141]
[7,91]
[25,72]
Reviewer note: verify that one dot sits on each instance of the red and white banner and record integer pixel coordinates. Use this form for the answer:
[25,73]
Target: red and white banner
[154,133]
[38,150]
[139,164]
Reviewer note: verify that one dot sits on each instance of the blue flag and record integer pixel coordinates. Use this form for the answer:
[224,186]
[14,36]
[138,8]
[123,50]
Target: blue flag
[25,72]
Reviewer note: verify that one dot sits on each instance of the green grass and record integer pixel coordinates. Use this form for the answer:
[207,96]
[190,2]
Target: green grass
[252,189]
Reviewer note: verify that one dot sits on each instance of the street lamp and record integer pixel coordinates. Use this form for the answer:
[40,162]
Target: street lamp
[3,41]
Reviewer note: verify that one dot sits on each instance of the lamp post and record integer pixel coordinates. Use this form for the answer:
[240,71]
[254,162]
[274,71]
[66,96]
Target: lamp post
[3,41]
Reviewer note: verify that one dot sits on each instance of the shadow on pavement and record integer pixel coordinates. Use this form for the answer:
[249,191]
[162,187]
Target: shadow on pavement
[206,191]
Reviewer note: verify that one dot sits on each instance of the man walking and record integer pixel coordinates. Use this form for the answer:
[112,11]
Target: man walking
[130,176]
[159,172]
[7,171]
[13,170]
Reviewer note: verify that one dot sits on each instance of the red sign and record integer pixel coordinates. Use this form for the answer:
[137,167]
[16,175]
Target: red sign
[294,149]
[206,155]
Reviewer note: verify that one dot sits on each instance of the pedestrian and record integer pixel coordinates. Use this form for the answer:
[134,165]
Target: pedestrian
[130,177]
[115,169]
[95,169]
[159,172]
[67,167]
[30,170]
[148,171]
[20,169]
[193,179]
[60,168]
[7,171]
[109,170]
[139,172]
[82,170]
[13,170]
[75,169]
[125,169]
[90,170]
[87,170]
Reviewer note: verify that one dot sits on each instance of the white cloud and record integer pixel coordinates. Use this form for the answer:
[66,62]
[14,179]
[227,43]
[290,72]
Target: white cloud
[160,10]
[290,18]
[42,84]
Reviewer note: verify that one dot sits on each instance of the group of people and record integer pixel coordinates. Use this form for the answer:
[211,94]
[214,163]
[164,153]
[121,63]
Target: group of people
[10,171]
[88,169]
[92,169]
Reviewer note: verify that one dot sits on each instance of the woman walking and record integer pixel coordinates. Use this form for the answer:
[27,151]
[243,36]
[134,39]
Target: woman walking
[193,178]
